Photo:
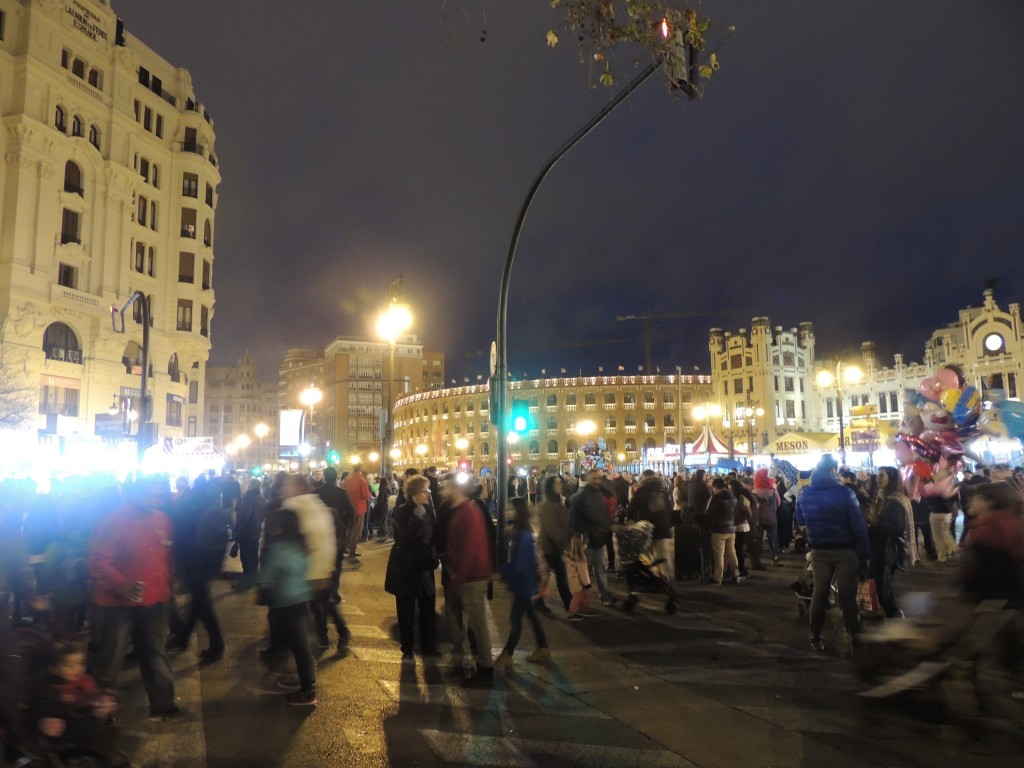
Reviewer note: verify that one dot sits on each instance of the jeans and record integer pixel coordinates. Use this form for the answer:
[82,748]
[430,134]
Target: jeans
[289,628]
[557,567]
[322,606]
[147,627]
[843,564]
[355,534]
[249,553]
[201,609]
[523,606]
[471,611]
[723,548]
[405,607]
[741,546]
[773,538]
[597,563]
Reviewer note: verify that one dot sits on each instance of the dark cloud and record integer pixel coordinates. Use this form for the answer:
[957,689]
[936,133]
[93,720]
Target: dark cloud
[857,165]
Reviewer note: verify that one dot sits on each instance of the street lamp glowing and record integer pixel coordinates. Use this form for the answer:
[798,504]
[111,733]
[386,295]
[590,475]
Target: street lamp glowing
[393,322]
[355,459]
[373,456]
[586,427]
[243,441]
[621,457]
[310,396]
[512,437]
[396,453]
[305,449]
[421,449]
[261,430]
[230,449]
[462,443]
[709,411]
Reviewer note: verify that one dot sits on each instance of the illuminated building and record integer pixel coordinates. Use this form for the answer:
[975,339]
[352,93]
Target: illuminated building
[641,417]
[237,401]
[108,187]
[350,373]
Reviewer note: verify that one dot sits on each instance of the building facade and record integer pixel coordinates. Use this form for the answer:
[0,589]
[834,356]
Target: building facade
[636,416]
[242,409]
[352,377]
[108,188]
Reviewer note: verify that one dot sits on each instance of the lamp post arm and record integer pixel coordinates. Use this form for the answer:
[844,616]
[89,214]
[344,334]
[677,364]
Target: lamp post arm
[500,378]
[143,437]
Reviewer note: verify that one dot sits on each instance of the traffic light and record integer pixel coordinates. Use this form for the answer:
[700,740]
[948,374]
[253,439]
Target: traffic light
[333,457]
[256,471]
[519,420]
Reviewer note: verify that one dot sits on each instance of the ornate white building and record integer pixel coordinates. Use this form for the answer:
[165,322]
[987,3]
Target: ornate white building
[108,187]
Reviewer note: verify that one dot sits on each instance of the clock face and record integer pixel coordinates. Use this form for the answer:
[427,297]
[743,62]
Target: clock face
[994,342]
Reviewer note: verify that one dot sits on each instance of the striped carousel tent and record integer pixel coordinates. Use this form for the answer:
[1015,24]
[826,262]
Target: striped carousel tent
[709,444]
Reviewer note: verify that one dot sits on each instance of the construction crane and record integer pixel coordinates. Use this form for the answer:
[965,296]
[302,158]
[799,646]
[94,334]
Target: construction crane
[563,345]
[648,316]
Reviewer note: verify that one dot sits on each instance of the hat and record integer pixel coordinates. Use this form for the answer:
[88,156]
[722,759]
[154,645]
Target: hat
[827,463]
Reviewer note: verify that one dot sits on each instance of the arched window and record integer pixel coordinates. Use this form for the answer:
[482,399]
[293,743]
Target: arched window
[649,421]
[471,451]
[61,343]
[629,398]
[78,68]
[552,423]
[612,445]
[649,443]
[630,445]
[589,399]
[73,178]
[59,119]
[534,448]
[131,358]
[609,422]
[76,126]
[207,234]
[649,399]
[485,449]
[669,420]
[570,447]
[172,367]
[630,421]
[552,446]
[94,136]
[552,401]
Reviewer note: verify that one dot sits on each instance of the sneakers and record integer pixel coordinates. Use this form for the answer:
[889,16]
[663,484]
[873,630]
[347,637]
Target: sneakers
[540,656]
[609,600]
[586,614]
[301,699]
[504,660]
[482,678]
[289,683]
[171,715]
[817,645]
[574,617]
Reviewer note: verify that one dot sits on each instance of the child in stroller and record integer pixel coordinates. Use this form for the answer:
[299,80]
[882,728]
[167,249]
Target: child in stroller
[638,566]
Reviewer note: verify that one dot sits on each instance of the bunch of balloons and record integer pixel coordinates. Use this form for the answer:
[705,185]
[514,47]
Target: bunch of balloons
[594,455]
[940,419]
[945,416]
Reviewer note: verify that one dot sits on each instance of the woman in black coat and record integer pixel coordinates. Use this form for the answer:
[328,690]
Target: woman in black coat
[410,574]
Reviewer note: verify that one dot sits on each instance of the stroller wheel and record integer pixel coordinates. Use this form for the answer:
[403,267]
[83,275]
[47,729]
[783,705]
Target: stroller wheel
[671,607]
[629,603]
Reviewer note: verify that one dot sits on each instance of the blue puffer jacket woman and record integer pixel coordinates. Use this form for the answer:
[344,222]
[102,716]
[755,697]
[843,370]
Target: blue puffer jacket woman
[830,512]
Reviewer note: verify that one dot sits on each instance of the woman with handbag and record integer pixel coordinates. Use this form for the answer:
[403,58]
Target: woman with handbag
[411,564]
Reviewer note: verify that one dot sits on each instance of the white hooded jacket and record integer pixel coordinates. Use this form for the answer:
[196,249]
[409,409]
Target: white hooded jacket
[317,526]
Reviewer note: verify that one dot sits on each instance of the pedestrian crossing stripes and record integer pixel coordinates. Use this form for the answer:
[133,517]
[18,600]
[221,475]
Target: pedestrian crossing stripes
[514,701]
[465,749]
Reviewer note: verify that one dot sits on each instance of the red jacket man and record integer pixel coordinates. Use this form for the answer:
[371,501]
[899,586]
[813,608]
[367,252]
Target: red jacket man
[359,493]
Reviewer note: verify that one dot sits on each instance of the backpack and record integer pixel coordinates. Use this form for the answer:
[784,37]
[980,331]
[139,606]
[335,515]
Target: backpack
[766,508]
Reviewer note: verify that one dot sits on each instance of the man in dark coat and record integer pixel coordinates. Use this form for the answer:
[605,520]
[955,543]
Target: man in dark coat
[337,500]
[588,514]
[247,531]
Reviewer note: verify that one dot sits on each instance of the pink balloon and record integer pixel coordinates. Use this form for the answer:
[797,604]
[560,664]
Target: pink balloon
[947,378]
[904,454]
[932,389]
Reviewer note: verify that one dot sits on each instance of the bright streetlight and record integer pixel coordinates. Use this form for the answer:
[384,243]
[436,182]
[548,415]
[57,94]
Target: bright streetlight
[421,449]
[585,427]
[355,459]
[845,374]
[373,456]
[392,323]
[261,430]
[706,412]
[462,444]
[309,397]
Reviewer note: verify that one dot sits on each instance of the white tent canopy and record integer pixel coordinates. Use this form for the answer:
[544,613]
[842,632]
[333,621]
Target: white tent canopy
[708,443]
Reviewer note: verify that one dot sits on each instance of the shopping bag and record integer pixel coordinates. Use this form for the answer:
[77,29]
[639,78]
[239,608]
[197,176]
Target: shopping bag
[867,597]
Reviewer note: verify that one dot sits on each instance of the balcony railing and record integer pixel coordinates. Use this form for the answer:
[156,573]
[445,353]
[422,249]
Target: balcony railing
[610,430]
[194,148]
[183,326]
[590,406]
[629,406]
[74,190]
[70,237]
[64,354]
[609,406]
[630,428]
[570,408]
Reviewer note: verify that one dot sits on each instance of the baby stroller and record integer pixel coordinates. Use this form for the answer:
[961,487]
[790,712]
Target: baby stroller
[637,564]
[803,589]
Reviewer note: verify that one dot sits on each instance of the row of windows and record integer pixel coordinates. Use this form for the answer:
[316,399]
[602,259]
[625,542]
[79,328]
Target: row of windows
[187,269]
[78,68]
[551,401]
[144,117]
[184,318]
[60,122]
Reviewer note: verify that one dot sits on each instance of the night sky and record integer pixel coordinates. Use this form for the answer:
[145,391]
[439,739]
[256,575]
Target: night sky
[856,164]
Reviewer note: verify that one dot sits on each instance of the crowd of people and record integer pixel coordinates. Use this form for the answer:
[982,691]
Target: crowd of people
[97,561]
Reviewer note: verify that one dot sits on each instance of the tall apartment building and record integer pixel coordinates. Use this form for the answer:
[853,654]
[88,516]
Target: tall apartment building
[352,375]
[237,403]
[108,188]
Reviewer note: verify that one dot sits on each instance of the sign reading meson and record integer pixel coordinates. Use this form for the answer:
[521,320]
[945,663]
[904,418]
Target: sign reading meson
[84,20]
[792,446]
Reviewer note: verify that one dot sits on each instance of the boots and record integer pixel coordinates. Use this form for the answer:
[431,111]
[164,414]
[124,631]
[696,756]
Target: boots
[540,656]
